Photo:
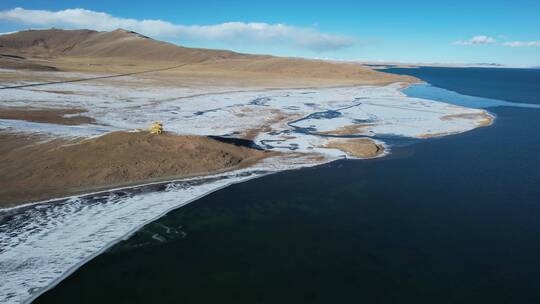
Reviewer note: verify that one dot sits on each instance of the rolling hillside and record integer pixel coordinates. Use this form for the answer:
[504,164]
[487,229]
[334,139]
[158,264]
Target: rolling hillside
[122,51]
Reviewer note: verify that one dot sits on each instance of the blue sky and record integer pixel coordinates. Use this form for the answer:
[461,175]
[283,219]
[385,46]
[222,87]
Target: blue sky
[472,31]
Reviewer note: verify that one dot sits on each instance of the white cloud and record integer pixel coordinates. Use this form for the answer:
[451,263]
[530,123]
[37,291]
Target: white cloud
[229,33]
[481,39]
[522,43]
[7,33]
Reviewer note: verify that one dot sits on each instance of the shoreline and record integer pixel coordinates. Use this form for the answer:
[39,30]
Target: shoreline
[121,188]
[74,268]
[110,243]
[163,198]
[386,150]
[320,134]
[36,168]
[112,188]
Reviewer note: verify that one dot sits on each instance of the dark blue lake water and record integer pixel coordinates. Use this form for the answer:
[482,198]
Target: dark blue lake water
[517,85]
[449,220]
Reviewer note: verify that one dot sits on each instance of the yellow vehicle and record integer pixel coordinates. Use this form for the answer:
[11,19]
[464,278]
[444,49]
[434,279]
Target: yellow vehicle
[156,128]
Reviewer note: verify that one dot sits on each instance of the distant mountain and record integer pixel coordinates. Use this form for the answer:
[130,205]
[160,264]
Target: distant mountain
[490,64]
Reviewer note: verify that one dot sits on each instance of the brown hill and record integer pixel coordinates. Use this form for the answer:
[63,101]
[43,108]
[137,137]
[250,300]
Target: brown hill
[55,43]
[31,169]
[42,43]
[122,51]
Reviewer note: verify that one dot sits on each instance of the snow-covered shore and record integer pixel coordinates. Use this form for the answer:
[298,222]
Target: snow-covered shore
[273,117]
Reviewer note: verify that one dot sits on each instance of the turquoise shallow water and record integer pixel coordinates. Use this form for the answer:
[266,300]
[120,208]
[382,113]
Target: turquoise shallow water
[516,85]
[431,92]
[449,220]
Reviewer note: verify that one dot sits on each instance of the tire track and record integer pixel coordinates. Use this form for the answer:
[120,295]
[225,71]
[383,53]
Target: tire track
[91,78]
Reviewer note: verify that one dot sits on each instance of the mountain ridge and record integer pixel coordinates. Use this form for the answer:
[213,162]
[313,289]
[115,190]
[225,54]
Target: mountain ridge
[54,43]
